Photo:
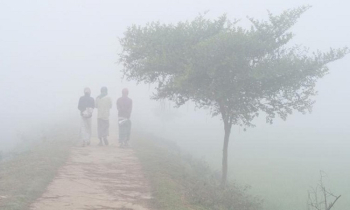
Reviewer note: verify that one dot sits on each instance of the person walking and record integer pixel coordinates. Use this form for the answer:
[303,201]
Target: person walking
[86,106]
[124,106]
[103,105]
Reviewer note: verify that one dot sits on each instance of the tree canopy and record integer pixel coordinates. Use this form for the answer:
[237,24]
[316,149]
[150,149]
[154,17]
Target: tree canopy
[222,66]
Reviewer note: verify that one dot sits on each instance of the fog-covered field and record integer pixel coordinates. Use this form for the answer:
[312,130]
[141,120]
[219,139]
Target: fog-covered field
[51,50]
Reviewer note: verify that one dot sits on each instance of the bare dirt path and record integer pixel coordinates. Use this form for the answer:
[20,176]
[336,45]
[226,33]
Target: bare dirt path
[97,178]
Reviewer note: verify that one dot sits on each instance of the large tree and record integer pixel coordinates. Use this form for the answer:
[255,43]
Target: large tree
[235,72]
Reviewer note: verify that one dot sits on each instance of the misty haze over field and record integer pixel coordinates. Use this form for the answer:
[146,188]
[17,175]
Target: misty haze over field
[51,50]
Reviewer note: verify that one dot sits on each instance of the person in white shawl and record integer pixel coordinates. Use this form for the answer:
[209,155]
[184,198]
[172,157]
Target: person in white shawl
[86,106]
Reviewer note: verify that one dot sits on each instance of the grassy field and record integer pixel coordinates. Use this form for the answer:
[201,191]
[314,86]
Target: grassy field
[26,174]
[181,182]
[284,183]
[279,170]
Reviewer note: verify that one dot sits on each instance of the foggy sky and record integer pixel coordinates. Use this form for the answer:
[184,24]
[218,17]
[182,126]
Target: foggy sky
[51,50]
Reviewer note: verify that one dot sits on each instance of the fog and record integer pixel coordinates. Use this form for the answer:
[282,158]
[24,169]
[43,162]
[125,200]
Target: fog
[51,50]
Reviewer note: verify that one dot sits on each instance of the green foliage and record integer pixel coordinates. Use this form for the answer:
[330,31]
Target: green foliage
[233,71]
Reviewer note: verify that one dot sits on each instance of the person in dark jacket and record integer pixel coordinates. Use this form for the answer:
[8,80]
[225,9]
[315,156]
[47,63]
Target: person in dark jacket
[124,106]
[86,106]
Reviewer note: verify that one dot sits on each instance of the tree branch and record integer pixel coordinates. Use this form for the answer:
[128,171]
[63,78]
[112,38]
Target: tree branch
[332,204]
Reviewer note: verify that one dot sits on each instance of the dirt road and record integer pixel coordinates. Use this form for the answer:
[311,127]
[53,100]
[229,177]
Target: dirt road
[97,178]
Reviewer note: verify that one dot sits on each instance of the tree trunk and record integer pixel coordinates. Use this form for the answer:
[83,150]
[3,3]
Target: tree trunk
[227,127]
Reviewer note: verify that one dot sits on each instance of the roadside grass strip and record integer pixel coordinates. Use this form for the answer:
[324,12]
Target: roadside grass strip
[181,182]
[25,176]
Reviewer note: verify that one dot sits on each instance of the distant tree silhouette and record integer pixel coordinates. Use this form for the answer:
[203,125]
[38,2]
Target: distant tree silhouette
[320,198]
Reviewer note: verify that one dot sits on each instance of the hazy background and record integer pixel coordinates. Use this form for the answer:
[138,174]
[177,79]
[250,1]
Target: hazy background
[51,50]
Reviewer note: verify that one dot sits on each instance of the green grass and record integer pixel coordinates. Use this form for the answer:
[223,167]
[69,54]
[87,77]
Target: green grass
[161,169]
[181,182]
[25,176]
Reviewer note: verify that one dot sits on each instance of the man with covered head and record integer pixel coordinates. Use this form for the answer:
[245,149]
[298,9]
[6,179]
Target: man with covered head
[124,106]
[103,105]
[86,106]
